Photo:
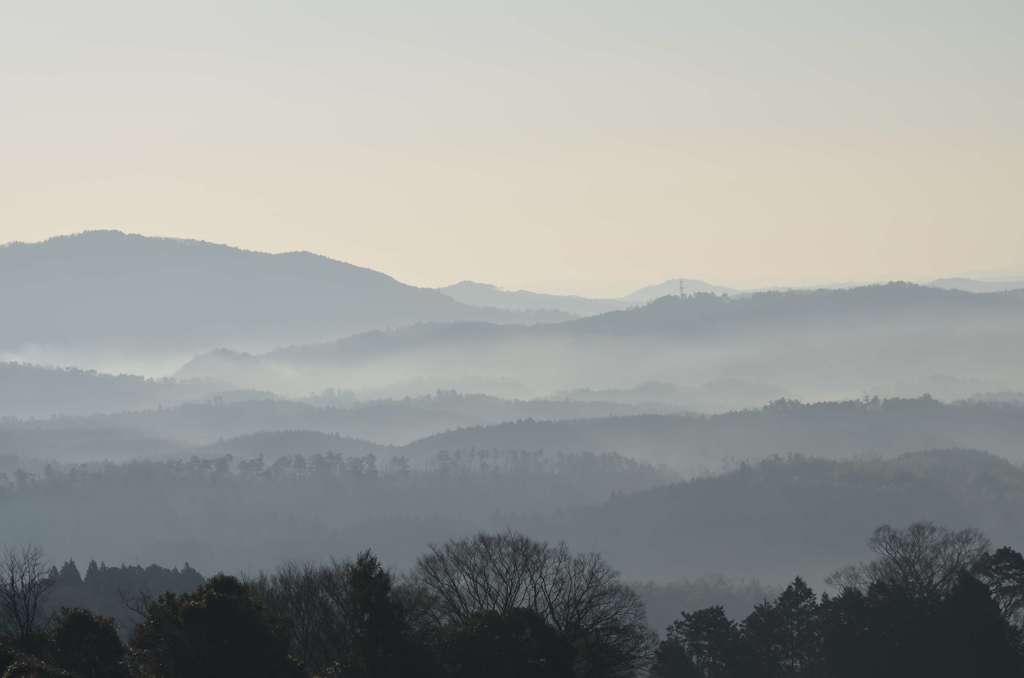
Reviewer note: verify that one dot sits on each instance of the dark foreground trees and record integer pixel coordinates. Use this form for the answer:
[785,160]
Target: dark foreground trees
[578,595]
[220,630]
[24,583]
[482,606]
[346,619]
[933,603]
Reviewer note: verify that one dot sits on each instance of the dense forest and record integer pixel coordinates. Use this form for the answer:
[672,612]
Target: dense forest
[930,601]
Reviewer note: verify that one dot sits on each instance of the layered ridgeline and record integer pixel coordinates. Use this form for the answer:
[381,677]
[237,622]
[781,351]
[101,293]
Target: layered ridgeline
[686,444]
[106,290]
[722,352]
[763,520]
[483,294]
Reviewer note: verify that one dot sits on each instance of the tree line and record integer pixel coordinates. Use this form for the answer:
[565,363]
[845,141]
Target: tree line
[933,602]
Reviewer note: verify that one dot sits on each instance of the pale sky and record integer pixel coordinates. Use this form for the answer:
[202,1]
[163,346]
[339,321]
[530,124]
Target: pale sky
[587,147]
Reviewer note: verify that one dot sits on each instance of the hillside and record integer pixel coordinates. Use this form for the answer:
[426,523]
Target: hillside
[803,515]
[768,520]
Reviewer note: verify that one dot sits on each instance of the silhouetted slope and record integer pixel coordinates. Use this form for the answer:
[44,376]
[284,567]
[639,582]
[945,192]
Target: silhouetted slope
[793,515]
[231,513]
[109,288]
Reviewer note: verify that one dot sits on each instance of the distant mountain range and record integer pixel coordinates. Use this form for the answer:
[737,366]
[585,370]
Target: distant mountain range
[122,292]
[894,339]
[108,289]
[482,294]
[980,286]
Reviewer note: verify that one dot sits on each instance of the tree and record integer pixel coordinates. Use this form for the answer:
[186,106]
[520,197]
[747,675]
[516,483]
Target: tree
[715,644]
[924,560]
[219,630]
[786,633]
[374,635]
[24,584]
[345,618]
[513,644]
[579,596]
[672,661]
[1003,573]
[974,639]
[86,645]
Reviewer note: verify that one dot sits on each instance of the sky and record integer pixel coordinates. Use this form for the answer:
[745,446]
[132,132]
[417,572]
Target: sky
[588,147]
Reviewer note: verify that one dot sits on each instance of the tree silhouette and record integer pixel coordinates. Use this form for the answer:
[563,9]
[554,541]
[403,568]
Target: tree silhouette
[25,582]
[220,630]
[1003,573]
[86,645]
[514,644]
[786,633]
[580,596]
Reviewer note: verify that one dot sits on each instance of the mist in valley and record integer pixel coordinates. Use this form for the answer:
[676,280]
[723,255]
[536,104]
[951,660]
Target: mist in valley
[351,341]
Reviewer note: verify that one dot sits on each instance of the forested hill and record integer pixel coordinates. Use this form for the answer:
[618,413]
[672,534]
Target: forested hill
[762,520]
[809,514]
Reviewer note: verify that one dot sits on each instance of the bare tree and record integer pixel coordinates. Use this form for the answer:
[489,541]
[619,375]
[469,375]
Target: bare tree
[924,559]
[578,595]
[25,582]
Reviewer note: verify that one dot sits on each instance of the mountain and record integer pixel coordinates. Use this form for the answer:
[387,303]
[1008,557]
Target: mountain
[978,286]
[108,289]
[671,288]
[482,294]
[794,515]
[894,340]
